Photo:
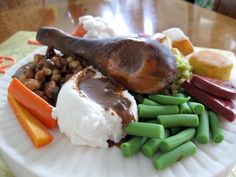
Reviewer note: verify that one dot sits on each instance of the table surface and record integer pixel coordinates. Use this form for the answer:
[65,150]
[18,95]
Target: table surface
[204,27]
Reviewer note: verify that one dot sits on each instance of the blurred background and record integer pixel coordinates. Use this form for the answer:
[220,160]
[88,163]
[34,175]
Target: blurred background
[128,16]
[226,7]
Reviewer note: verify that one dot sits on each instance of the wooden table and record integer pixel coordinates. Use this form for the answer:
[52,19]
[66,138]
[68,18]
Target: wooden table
[205,28]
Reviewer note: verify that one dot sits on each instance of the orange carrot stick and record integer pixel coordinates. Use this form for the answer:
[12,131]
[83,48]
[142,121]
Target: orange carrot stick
[79,31]
[36,131]
[35,104]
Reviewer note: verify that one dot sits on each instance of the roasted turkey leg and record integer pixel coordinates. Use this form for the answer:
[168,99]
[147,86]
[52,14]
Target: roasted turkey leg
[141,65]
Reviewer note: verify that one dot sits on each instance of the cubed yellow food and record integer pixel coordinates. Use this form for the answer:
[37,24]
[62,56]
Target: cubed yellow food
[179,40]
[185,46]
[211,64]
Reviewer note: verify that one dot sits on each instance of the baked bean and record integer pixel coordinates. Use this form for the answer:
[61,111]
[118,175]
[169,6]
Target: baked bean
[57,61]
[37,58]
[49,64]
[47,71]
[39,66]
[22,78]
[56,71]
[32,84]
[69,59]
[40,75]
[74,64]
[39,93]
[29,73]
[56,77]
[49,88]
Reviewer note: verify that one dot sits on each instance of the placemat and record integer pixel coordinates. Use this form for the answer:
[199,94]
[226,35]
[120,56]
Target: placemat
[17,47]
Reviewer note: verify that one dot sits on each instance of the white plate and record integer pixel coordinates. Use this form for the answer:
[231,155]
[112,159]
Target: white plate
[62,159]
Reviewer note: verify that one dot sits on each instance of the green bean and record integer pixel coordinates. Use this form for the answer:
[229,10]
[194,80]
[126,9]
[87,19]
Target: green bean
[170,100]
[184,108]
[197,108]
[150,102]
[203,132]
[132,146]
[148,111]
[152,145]
[175,130]
[215,127]
[178,139]
[169,158]
[178,120]
[145,129]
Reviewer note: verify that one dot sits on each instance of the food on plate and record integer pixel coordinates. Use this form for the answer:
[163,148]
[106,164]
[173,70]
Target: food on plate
[217,135]
[47,73]
[178,120]
[37,132]
[88,84]
[163,39]
[168,100]
[79,31]
[184,107]
[93,27]
[184,72]
[179,40]
[179,130]
[91,109]
[203,129]
[141,65]
[152,111]
[132,146]
[146,129]
[184,69]
[169,158]
[151,146]
[31,101]
[219,88]
[211,64]
[223,107]
[149,102]
[172,142]
[196,108]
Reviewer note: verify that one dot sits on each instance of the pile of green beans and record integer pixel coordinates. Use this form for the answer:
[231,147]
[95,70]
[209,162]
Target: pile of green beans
[170,123]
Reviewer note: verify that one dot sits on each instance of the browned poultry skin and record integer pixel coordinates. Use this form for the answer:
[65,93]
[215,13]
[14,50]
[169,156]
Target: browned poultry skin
[141,65]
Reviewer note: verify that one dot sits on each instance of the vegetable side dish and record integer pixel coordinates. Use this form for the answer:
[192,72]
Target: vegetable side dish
[47,73]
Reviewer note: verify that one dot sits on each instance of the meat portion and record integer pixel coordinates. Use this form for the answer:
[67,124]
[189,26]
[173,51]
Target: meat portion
[141,65]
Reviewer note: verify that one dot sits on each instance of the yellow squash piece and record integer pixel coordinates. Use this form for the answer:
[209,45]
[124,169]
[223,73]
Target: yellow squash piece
[211,64]
[37,132]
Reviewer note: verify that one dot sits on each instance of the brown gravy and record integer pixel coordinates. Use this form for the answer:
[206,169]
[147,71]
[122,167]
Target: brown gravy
[105,93]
